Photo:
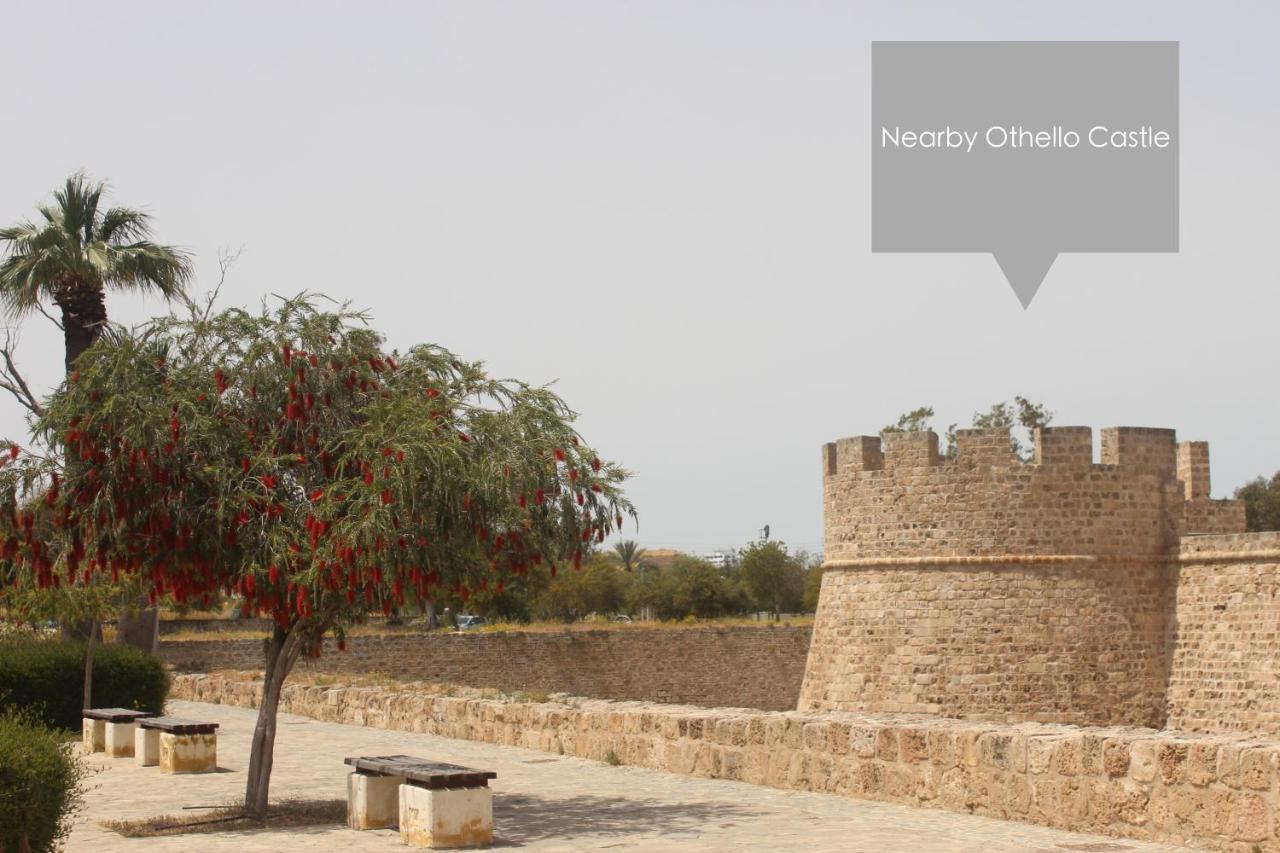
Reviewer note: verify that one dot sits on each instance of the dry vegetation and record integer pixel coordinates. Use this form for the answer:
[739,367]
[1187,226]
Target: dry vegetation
[548,627]
[283,815]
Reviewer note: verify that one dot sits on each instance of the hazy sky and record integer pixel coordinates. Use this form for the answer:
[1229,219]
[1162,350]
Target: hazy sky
[665,207]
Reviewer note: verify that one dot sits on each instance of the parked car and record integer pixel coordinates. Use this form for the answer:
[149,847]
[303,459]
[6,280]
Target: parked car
[466,621]
[622,618]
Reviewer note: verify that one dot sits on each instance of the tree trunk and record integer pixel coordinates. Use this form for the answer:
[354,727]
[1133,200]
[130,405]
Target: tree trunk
[89,647]
[84,314]
[140,630]
[282,652]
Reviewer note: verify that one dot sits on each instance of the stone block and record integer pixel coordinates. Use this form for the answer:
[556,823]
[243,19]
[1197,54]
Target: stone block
[119,739]
[188,753]
[146,747]
[373,801]
[95,735]
[457,817]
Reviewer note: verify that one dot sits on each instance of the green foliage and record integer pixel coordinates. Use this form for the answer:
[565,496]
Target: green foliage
[1022,417]
[1261,502]
[688,587]
[630,554]
[916,420]
[40,784]
[599,587]
[774,578]
[812,587]
[77,243]
[44,678]
[286,457]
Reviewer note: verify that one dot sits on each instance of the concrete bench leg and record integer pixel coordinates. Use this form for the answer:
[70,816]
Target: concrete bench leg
[448,817]
[95,735]
[373,801]
[146,747]
[119,738]
[188,753]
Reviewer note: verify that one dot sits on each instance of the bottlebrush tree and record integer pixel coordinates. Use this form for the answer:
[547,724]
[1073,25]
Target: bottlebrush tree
[286,457]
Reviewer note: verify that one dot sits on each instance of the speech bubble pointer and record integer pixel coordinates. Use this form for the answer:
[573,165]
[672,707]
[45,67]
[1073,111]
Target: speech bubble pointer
[1025,268]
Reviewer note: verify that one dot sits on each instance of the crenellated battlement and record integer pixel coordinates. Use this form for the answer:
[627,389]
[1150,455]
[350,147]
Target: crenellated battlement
[974,583]
[902,497]
[1142,450]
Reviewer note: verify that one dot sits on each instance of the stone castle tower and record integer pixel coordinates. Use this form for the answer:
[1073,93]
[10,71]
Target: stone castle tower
[985,586]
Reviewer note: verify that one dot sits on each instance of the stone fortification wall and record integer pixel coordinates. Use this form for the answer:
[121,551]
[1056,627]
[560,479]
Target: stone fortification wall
[737,666]
[984,586]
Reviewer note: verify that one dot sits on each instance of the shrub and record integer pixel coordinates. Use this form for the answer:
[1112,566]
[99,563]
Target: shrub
[46,678]
[40,784]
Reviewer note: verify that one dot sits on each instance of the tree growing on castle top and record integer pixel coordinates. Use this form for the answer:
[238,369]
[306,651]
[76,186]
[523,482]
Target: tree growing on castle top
[1021,415]
[1261,503]
[287,457]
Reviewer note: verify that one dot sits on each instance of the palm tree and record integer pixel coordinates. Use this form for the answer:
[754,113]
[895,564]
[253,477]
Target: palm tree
[630,553]
[76,253]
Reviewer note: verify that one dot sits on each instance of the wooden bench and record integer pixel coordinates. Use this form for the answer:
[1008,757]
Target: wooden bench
[434,804]
[177,745]
[110,730]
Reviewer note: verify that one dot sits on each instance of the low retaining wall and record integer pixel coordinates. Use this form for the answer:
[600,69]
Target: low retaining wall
[1213,790]
[738,666]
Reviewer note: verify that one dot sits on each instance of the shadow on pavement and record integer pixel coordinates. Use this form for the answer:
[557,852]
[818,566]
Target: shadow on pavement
[521,818]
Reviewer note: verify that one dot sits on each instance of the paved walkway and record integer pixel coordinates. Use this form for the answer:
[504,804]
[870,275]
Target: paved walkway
[541,802]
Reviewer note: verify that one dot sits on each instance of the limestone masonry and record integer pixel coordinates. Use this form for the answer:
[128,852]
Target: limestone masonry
[1056,590]
[734,666]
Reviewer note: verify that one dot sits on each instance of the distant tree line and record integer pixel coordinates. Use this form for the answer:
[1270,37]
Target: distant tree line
[762,577]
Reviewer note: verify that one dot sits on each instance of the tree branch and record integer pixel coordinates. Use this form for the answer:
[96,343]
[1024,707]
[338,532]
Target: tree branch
[52,319]
[12,380]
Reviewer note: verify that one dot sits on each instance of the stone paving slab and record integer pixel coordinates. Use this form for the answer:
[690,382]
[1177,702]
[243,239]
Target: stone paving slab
[541,802]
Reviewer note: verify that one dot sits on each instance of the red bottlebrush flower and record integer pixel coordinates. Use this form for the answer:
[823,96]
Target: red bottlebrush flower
[269,481]
[577,559]
[314,362]
[464,436]
[559,455]
[432,393]
[524,502]
[539,497]
[386,496]
[399,455]
[286,354]
[573,475]
[75,376]
[466,502]
[291,411]
[596,487]
[619,521]
[580,499]
[273,574]
[386,451]
[309,400]
[317,495]
[220,380]
[174,428]
[368,478]
[244,465]
[595,463]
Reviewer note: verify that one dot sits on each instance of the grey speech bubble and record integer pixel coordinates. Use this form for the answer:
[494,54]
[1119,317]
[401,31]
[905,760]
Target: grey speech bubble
[973,180]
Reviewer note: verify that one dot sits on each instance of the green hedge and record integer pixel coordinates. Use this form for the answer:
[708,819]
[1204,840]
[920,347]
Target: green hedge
[39,784]
[46,677]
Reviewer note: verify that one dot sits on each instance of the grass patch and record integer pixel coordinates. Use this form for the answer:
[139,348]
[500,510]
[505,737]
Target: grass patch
[285,814]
